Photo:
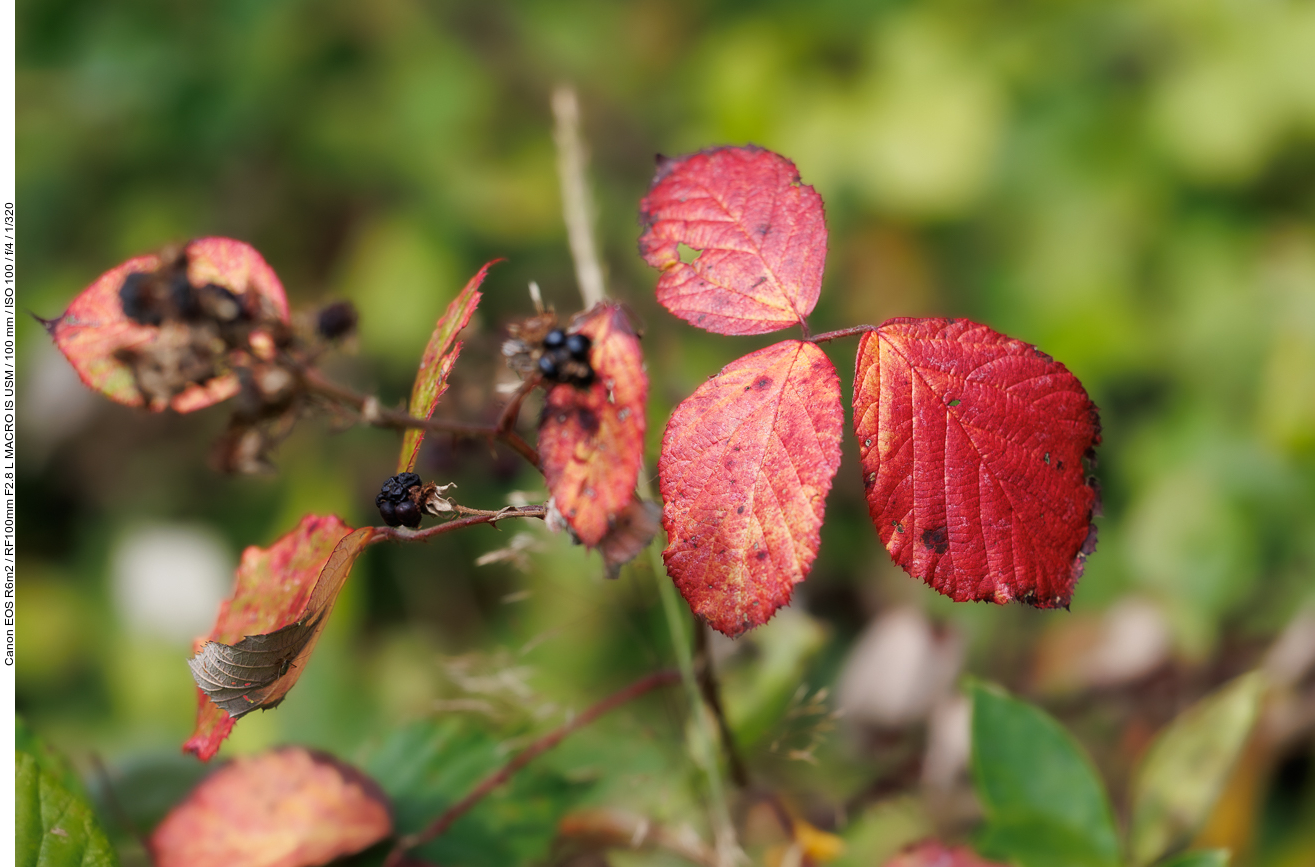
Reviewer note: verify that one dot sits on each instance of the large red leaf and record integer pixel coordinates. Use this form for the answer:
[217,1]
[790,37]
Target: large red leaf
[437,362]
[267,630]
[747,461]
[759,233]
[972,446]
[94,328]
[591,440]
[931,853]
[286,808]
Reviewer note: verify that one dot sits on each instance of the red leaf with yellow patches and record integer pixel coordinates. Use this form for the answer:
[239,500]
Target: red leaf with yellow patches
[931,853]
[437,362]
[266,632]
[747,461]
[285,808]
[759,235]
[972,446]
[94,328]
[591,440]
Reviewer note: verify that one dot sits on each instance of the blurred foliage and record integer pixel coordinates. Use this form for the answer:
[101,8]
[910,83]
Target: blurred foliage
[1128,185]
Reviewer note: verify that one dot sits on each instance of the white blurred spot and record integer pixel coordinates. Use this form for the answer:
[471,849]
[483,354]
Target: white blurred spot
[53,403]
[898,669]
[949,738]
[168,580]
[1134,641]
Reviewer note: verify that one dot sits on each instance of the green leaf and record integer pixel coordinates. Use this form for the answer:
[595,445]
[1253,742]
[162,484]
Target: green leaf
[48,759]
[1203,858]
[1045,804]
[1186,767]
[428,766]
[54,827]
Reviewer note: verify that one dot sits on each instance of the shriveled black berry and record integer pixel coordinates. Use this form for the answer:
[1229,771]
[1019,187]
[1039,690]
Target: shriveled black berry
[578,345]
[139,302]
[548,366]
[555,338]
[388,513]
[337,320]
[408,514]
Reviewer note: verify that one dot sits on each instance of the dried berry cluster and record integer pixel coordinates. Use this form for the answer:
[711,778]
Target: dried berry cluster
[399,500]
[538,345]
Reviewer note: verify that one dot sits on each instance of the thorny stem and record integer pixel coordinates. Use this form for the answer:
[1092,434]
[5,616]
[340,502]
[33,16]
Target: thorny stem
[380,416]
[711,689]
[828,336]
[523,758]
[401,534]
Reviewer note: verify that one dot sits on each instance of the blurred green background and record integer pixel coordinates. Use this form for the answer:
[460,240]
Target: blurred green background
[1128,185]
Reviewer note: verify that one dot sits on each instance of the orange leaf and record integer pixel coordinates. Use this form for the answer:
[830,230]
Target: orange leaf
[94,328]
[265,633]
[972,446]
[286,808]
[759,235]
[436,364]
[747,461]
[591,440]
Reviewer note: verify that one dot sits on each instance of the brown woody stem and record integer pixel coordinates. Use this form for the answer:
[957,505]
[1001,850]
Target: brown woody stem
[828,336]
[379,416]
[523,758]
[396,534]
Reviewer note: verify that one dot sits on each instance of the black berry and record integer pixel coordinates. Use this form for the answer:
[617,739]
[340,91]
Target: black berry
[337,320]
[555,338]
[547,366]
[395,504]
[408,514]
[578,345]
[387,512]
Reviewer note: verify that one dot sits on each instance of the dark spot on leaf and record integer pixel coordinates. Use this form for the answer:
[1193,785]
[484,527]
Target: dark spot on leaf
[588,419]
[762,555]
[937,539]
[763,383]
[740,510]
[899,526]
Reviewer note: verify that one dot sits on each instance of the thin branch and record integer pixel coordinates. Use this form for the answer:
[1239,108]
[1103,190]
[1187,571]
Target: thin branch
[401,534]
[575,195]
[373,413]
[828,336]
[711,691]
[114,804]
[523,758]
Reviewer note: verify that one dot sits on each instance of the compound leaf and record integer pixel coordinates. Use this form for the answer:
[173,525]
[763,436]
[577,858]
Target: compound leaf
[53,827]
[286,808]
[1044,802]
[94,331]
[1186,768]
[266,632]
[436,364]
[747,461]
[759,233]
[972,445]
[591,440]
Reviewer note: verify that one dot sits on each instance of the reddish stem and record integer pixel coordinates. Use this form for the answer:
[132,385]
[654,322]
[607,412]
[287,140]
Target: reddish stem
[394,534]
[828,336]
[523,758]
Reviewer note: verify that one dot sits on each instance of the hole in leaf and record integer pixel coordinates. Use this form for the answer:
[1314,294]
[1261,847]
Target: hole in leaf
[687,253]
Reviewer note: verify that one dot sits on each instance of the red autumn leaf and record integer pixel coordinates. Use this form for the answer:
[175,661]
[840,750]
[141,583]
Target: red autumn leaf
[437,362]
[591,440]
[285,808]
[747,461]
[265,633]
[759,234]
[930,853]
[94,328]
[972,446]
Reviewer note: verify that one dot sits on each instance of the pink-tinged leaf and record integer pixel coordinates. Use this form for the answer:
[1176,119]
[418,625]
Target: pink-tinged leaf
[972,445]
[930,853]
[437,362]
[747,461]
[265,633]
[591,440]
[286,808]
[759,235]
[94,329]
